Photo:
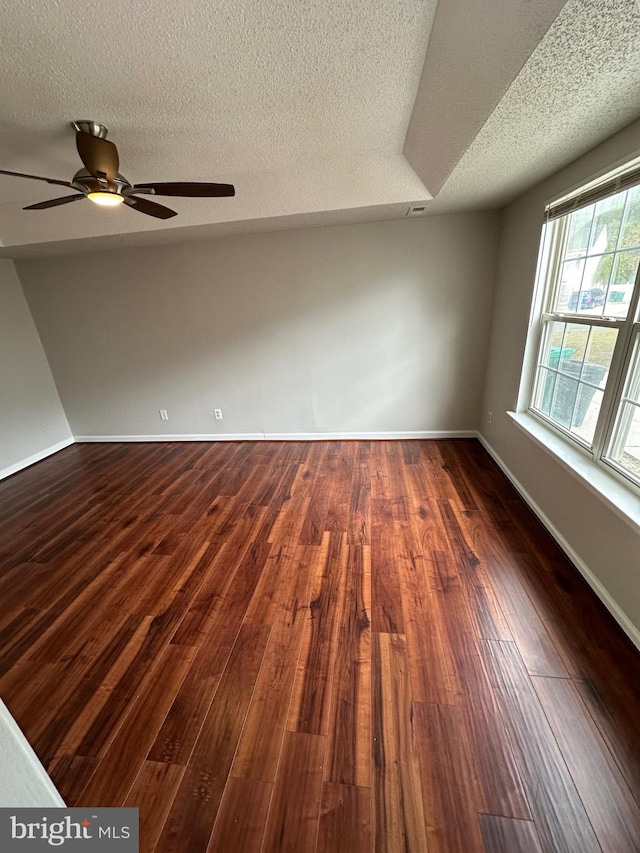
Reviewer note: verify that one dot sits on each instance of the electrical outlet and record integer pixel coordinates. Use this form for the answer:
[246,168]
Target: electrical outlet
[217,413]
[489,416]
[163,415]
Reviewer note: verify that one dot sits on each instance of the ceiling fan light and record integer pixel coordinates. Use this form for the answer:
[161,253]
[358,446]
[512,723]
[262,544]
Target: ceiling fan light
[105,199]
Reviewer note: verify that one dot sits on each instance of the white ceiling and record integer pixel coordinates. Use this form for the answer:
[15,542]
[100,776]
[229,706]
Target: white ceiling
[319,112]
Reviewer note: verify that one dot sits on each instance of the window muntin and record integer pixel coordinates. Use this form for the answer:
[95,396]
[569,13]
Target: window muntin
[581,387]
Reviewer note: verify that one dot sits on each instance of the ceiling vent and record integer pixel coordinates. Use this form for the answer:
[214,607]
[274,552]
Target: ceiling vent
[417,210]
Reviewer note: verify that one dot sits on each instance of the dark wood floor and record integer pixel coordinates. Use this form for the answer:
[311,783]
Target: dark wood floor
[314,647]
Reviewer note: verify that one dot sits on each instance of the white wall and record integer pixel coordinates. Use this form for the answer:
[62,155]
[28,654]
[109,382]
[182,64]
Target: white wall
[606,545]
[32,422]
[361,328]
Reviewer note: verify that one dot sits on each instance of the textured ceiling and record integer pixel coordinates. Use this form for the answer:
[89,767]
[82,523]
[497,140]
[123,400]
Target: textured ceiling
[491,40]
[580,85]
[303,106]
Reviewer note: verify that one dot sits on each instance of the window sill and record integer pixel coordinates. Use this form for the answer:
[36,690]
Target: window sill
[622,500]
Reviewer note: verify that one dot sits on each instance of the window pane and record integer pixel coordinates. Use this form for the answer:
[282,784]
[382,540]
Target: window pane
[606,226]
[570,284]
[631,228]
[600,347]
[553,345]
[580,231]
[626,439]
[573,368]
[625,269]
[585,413]
[546,387]
[574,343]
[592,295]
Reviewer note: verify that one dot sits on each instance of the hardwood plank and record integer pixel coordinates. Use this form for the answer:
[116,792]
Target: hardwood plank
[100,703]
[398,813]
[73,694]
[500,789]
[359,516]
[341,473]
[527,628]
[284,535]
[484,605]
[90,733]
[292,825]
[133,678]
[70,774]
[386,599]
[260,744]
[152,793]
[242,817]
[287,527]
[345,819]
[617,723]
[310,703]
[557,810]
[117,771]
[453,466]
[606,673]
[180,579]
[49,602]
[179,731]
[448,779]
[423,491]
[215,575]
[192,816]
[348,751]
[506,835]
[380,478]
[426,614]
[77,624]
[315,523]
[610,805]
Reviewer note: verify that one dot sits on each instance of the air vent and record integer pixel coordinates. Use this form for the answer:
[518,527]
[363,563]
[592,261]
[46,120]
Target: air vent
[417,210]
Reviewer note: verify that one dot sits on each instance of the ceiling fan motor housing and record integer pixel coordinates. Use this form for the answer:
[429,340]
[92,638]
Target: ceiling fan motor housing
[85,182]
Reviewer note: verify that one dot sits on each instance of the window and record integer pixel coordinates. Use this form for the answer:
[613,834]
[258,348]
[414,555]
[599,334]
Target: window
[586,381]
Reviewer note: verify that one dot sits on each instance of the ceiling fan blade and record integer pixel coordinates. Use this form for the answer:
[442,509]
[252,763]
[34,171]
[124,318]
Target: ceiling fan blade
[188,189]
[36,178]
[53,202]
[143,205]
[98,155]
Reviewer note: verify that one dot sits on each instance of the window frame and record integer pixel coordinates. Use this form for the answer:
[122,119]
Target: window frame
[551,255]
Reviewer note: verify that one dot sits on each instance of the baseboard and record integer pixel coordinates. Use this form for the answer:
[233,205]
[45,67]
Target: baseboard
[632,632]
[36,457]
[285,436]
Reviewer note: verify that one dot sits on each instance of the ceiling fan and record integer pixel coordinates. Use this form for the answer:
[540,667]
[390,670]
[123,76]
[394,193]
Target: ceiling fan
[101,182]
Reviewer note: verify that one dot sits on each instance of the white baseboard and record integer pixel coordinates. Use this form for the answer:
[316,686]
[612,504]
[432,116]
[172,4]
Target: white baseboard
[285,436]
[609,602]
[35,457]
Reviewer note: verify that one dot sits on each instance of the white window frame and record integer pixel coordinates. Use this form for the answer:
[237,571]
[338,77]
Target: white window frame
[551,253]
